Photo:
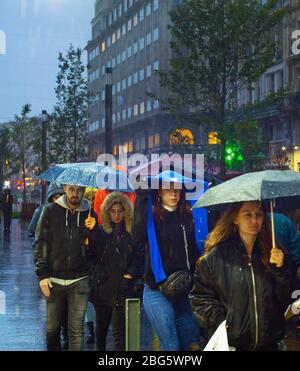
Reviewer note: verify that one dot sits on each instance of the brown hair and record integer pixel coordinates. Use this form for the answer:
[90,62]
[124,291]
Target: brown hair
[182,207]
[224,230]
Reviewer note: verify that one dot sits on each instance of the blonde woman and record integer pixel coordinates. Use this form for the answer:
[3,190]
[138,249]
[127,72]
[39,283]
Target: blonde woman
[242,280]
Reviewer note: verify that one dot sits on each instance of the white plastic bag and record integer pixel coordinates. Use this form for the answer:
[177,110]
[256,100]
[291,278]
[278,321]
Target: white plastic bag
[219,340]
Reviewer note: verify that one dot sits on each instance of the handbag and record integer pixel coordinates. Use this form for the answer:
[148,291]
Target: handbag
[178,283]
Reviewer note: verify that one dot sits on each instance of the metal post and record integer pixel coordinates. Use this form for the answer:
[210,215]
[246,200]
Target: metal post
[44,153]
[108,110]
[133,326]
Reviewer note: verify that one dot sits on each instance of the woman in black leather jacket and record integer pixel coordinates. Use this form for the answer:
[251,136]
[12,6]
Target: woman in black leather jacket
[242,280]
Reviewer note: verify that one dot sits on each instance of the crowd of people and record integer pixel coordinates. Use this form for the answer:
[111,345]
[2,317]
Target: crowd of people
[241,278]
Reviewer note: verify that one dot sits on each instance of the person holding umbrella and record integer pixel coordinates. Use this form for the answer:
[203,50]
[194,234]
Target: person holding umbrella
[243,279]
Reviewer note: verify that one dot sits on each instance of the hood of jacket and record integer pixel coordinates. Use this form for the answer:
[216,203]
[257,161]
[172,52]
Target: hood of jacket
[109,201]
[54,189]
[84,206]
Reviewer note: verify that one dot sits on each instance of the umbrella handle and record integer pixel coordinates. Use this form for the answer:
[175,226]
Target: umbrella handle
[272,224]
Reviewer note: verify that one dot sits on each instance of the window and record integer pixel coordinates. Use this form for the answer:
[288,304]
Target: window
[149,105]
[142,14]
[142,108]
[148,39]
[115,14]
[130,2]
[271,82]
[123,55]
[148,9]
[135,110]
[129,112]
[148,71]
[135,20]
[103,69]
[135,78]
[113,89]
[135,47]
[155,34]
[279,76]
[125,5]
[118,33]
[142,75]
[155,5]
[124,29]
[156,104]
[118,116]
[108,41]
[143,142]
[124,84]
[118,59]
[156,65]
[151,141]
[113,38]
[103,46]
[129,81]
[103,122]
[113,63]
[120,10]
[156,140]
[114,118]
[118,87]
[129,24]
[142,43]
[124,114]
[103,95]
[129,51]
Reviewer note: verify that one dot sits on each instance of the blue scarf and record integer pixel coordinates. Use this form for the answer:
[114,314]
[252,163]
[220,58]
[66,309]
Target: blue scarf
[156,262]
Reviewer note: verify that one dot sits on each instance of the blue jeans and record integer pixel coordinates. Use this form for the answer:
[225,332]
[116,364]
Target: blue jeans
[71,300]
[174,323]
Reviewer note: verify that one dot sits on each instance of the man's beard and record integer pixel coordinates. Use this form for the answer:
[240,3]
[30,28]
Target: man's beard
[74,201]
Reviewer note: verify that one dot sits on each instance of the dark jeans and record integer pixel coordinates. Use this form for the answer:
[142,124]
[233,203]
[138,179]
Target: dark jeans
[106,314]
[7,220]
[71,300]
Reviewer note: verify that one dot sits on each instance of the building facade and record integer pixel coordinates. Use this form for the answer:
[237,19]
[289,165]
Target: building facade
[132,38]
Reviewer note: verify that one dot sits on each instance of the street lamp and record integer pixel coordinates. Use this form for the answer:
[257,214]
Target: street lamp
[108,110]
[44,119]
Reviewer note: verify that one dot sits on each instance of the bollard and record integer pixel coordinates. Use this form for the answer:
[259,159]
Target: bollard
[133,326]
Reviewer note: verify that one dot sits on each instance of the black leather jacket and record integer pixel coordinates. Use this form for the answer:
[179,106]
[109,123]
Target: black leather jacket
[231,286]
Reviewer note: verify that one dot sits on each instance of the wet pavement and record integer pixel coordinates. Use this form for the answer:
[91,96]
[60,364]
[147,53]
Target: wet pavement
[22,306]
[23,309]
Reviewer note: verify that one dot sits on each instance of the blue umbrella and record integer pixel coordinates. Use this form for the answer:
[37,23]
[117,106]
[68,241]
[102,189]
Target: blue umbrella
[89,174]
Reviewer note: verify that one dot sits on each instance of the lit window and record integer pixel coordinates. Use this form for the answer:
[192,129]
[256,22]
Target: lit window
[113,38]
[113,89]
[124,114]
[118,116]
[156,140]
[103,95]
[156,104]
[156,66]
[129,51]
[142,108]
[129,112]
[118,33]
[113,63]
[125,5]
[108,41]
[135,110]
[124,84]
[124,29]
[130,2]
[135,78]
[129,81]
[123,55]
[135,48]
[113,118]
[118,58]
[118,87]
[120,10]
[135,20]
[103,46]
[155,5]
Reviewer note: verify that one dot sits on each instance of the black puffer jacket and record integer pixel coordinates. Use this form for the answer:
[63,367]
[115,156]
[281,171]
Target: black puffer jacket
[229,285]
[60,249]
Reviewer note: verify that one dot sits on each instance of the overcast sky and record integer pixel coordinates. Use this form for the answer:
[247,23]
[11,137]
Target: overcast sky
[36,31]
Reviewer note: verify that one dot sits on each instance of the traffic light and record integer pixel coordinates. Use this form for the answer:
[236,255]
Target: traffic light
[232,153]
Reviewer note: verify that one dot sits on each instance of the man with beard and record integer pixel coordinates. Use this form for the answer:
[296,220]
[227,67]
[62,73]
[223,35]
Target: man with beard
[62,264]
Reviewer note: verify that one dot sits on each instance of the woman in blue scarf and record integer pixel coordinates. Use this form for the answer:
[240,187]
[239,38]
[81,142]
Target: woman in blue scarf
[164,235]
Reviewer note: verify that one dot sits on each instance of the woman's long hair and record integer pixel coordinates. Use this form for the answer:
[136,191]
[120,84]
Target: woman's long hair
[225,230]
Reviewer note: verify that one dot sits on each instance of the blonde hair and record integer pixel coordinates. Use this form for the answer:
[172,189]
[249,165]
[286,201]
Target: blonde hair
[225,229]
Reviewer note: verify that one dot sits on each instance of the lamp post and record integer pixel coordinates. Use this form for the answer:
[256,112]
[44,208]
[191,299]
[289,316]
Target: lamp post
[44,119]
[108,110]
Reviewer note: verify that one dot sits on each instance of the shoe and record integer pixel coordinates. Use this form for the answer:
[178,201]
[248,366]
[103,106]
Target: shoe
[91,334]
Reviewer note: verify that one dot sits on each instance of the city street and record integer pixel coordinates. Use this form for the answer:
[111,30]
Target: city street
[22,307]
[23,313]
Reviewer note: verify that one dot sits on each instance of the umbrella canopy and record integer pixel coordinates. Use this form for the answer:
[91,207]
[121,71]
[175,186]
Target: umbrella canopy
[89,174]
[258,186]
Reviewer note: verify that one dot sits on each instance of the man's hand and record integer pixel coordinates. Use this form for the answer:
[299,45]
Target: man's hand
[90,222]
[45,286]
[277,257]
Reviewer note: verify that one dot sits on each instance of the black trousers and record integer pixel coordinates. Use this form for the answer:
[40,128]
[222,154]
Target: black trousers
[114,315]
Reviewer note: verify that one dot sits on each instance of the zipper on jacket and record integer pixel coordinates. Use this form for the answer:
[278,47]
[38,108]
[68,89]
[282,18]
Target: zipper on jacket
[255,300]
